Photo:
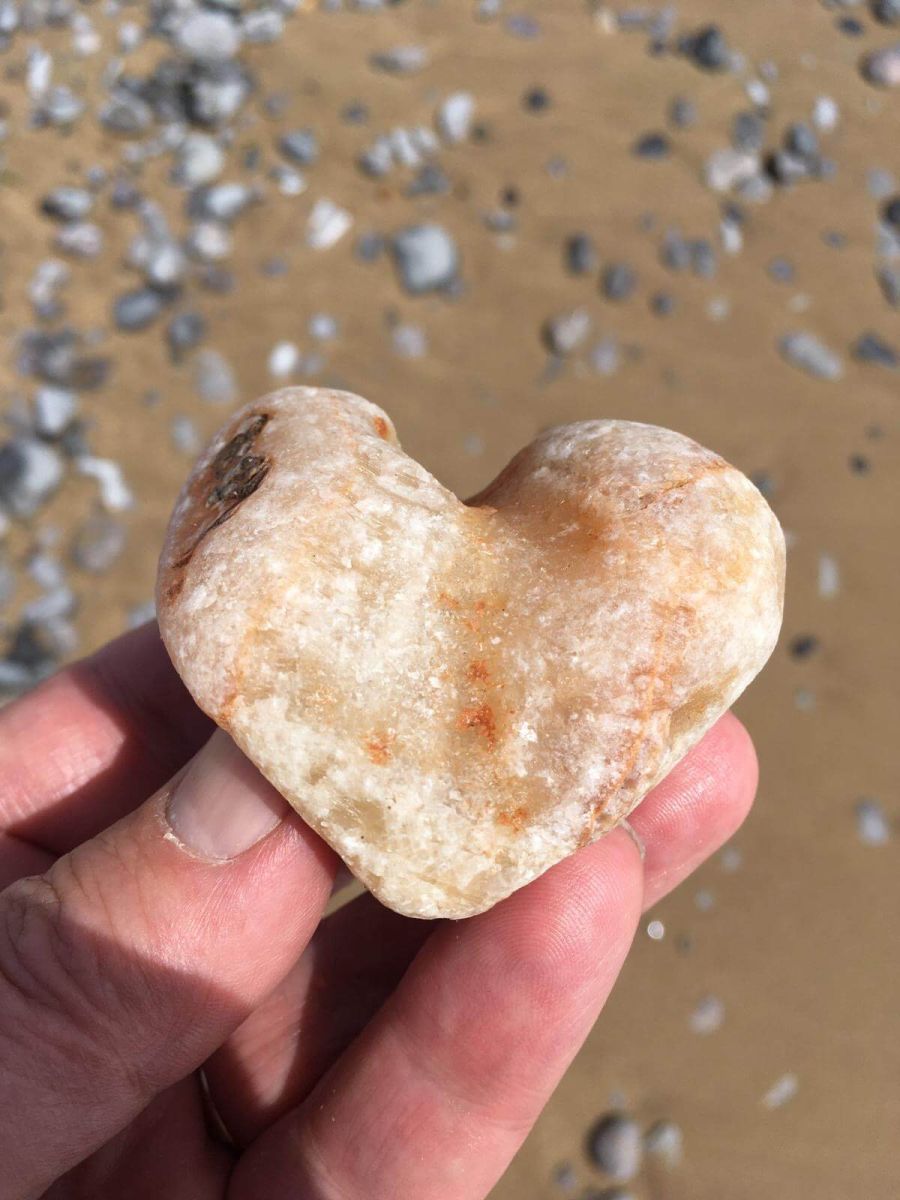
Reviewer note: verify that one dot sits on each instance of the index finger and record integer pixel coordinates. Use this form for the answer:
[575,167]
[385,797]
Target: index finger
[92,742]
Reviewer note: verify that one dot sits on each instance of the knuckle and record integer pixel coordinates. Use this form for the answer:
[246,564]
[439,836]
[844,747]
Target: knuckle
[61,986]
[35,950]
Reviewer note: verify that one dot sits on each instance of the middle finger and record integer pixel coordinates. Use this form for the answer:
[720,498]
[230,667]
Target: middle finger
[360,953]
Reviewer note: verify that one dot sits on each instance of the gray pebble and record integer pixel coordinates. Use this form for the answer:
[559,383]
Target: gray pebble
[890,213]
[9,18]
[184,332]
[7,582]
[756,189]
[221,201]
[207,36]
[500,220]
[826,114]
[214,378]
[326,224]
[323,327]
[275,267]
[781,270]
[431,180]
[409,341]
[46,570]
[80,239]
[568,331]
[872,826]
[886,11]
[198,161]
[124,194]
[708,1015]
[137,309]
[208,241]
[160,258]
[216,279]
[59,106]
[115,494]
[787,168]
[141,614]
[29,649]
[377,159]
[98,542]
[801,141]
[54,409]
[708,49]
[732,236]
[400,60]
[808,353]
[426,257]
[605,356]
[185,435]
[880,183]
[300,146]
[262,25]
[704,261]
[126,113]
[652,146]
[564,1177]
[581,254]
[662,304]
[614,1145]
[369,247]
[782,1090]
[870,348]
[44,286]
[748,132]
[454,117]
[522,25]
[889,281]
[289,181]
[619,281]
[216,95]
[882,67]
[676,251]
[30,472]
[67,203]
[728,168]
[52,606]
[14,677]
[682,112]
[665,1140]
[284,360]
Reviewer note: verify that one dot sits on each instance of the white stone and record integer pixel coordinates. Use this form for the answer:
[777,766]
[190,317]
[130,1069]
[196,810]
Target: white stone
[208,36]
[284,360]
[327,224]
[455,115]
[587,617]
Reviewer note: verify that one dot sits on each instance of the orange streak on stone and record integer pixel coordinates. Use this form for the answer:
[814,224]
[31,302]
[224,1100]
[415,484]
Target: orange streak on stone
[481,718]
[379,747]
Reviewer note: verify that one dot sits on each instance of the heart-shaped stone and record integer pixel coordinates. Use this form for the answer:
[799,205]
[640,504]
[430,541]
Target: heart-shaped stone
[457,696]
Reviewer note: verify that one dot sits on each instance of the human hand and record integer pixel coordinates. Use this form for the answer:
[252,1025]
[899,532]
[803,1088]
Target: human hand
[365,1056]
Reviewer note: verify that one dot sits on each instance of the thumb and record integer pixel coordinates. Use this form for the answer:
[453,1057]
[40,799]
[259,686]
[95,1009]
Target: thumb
[135,956]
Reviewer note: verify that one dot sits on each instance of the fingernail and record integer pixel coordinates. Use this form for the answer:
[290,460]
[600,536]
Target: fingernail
[222,806]
[635,837]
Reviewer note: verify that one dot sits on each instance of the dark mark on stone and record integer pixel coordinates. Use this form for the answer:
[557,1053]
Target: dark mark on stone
[232,476]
